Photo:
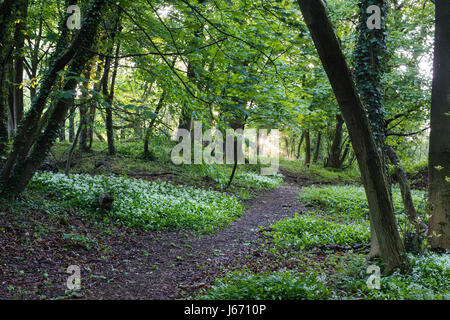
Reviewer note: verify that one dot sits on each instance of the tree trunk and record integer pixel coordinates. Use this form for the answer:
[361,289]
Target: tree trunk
[185,121]
[25,166]
[72,149]
[317,148]
[109,116]
[236,124]
[29,125]
[307,149]
[19,63]
[7,15]
[93,106]
[62,132]
[334,157]
[370,53]
[91,119]
[109,96]
[344,154]
[374,180]
[292,150]
[152,123]
[439,150]
[4,109]
[11,105]
[300,145]
[72,122]
[84,111]
[35,56]
[405,190]
[286,142]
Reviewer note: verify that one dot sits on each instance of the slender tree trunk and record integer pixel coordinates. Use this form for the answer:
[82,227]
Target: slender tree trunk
[344,154]
[286,142]
[92,113]
[3,124]
[300,145]
[62,132]
[405,190]
[292,151]
[237,124]
[307,149]
[317,148]
[152,123]
[8,9]
[84,111]
[233,172]
[439,151]
[35,56]
[109,119]
[372,173]
[12,124]
[72,123]
[19,63]
[72,149]
[334,157]
[84,130]
[93,106]
[109,114]
[109,96]
[185,120]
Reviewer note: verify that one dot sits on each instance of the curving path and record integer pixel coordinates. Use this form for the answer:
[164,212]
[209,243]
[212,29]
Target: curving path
[168,265]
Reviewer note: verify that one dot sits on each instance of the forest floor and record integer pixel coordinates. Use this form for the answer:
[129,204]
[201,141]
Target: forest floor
[41,236]
[186,264]
[123,263]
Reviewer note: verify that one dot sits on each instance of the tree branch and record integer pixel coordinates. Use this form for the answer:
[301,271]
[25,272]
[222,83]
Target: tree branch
[406,134]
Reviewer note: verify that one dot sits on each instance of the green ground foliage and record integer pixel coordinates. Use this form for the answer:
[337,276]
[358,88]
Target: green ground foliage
[281,285]
[318,174]
[339,219]
[152,205]
[348,203]
[310,231]
[344,277]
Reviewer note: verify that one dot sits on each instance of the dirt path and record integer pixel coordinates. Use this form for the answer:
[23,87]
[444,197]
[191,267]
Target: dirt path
[168,265]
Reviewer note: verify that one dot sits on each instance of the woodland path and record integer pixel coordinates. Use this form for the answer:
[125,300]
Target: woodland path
[177,264]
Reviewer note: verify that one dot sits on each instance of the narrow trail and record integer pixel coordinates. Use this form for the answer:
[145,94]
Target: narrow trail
[177,264]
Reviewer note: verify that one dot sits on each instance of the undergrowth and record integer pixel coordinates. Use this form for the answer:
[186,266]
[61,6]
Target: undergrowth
[153,205]
[429,279]
[280,285]
[309,231]
[319,174]
[348,203]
